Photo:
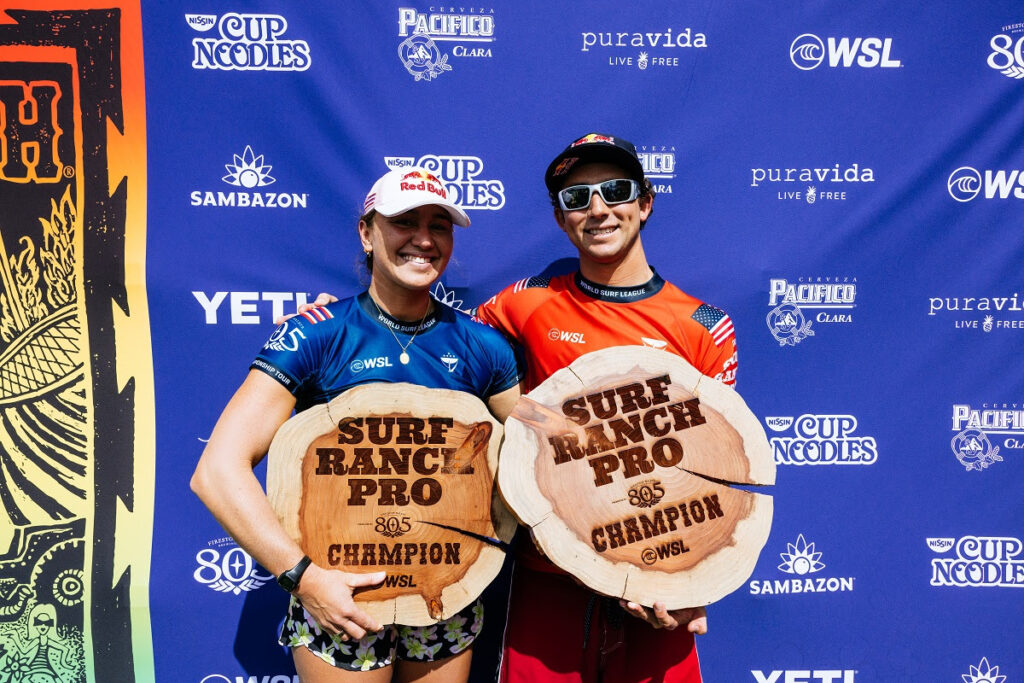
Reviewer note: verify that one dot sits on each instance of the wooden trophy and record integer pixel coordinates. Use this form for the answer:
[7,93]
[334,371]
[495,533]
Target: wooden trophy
[622,463]
[396,478]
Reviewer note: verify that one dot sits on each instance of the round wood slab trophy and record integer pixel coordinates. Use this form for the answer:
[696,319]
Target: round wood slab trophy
[622,464]
[396,478]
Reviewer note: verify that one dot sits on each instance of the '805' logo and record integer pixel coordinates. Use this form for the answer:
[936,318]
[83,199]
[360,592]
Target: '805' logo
[226,568]
[1007,56]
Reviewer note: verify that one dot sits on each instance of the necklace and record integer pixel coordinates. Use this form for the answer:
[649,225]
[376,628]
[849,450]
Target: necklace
[404,357]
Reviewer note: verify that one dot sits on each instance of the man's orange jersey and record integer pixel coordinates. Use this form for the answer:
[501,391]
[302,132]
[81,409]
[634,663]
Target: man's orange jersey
[556,320]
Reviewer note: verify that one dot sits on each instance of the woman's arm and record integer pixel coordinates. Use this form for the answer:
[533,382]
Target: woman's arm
[225,482]
[501,404]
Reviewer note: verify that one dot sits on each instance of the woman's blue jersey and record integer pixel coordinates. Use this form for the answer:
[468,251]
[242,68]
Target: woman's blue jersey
[321,353]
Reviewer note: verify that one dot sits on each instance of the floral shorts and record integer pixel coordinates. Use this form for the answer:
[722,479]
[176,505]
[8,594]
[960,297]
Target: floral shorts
[411,643]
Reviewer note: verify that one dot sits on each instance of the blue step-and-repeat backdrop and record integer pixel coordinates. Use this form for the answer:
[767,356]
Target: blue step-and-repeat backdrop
[846,180]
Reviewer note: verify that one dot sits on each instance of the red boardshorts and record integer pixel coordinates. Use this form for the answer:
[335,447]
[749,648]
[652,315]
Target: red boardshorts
[560,632]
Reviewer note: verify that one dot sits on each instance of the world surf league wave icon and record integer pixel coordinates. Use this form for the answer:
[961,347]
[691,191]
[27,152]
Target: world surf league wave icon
[974,450]
[788,324]
[421,57]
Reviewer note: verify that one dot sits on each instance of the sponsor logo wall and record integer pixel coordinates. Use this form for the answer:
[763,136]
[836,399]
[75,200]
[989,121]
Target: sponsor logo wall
[846,186]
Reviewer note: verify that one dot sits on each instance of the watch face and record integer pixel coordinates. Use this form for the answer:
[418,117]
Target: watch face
[286,582]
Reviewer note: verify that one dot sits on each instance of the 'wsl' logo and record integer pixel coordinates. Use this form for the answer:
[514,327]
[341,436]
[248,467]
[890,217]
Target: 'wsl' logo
[980,561]
[226,568]
[247,42]
[808,52]
[659,164]
[974,428]
[249,171]
[967,182]
[801,560]
[832,297]
[472,32]
[821,440]
[461,177]
[1007,56]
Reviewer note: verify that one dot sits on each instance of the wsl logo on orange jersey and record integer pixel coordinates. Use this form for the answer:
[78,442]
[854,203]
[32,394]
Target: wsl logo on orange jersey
[797,305]
[424,52]
[463,177]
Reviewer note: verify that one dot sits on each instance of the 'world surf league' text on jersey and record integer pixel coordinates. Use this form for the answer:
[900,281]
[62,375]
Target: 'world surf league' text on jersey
[556,320]
[321,353]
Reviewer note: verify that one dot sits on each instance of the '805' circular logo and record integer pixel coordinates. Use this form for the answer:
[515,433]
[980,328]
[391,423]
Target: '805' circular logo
[964,184]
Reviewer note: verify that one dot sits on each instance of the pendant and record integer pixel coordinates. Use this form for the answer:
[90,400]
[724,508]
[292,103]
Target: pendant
[404,358]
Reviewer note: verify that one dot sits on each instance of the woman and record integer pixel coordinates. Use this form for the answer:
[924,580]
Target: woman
[406,233]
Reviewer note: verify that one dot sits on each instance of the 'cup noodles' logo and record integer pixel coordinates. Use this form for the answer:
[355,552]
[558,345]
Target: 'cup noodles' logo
[461,176]
[247,42]
[940,545]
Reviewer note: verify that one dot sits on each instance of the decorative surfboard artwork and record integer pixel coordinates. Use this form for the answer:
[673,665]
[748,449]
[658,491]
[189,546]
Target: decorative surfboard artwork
[625,466]
[396,478]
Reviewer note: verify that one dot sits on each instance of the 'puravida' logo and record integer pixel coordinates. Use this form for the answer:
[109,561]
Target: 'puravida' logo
[247,42]
[1007,56]
[833,297]
[471,30]
[808,51]
[967,183]
[657,49]
[249,171]
[820,184]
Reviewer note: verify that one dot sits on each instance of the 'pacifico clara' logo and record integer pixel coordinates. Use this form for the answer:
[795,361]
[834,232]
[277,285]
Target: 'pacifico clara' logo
[975,428]
[472,32]
[833,297]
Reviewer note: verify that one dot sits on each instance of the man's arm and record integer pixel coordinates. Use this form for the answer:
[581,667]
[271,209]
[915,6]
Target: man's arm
[225,482]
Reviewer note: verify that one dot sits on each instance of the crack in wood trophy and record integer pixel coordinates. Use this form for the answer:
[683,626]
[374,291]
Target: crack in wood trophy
[400,478]
[622,466]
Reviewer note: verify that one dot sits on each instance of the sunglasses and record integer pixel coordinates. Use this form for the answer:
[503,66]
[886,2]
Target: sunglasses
[616,191]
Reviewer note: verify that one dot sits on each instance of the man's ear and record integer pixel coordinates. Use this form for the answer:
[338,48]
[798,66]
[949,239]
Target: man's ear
[560,217]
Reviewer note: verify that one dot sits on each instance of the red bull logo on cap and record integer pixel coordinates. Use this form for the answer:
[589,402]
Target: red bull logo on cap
[421,174]
[428,183]
[593,137]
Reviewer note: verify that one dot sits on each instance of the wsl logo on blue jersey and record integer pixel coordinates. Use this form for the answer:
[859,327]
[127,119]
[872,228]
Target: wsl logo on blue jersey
[246,42]
[423,52]
[802,562]
[978,429]
[979,562]
[820,440]
[796,305]
[808,52]
[250,172]
[463,178]
[659,163]
[1007,56]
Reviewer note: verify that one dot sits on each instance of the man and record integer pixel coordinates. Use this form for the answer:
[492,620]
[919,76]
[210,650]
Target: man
[558,630]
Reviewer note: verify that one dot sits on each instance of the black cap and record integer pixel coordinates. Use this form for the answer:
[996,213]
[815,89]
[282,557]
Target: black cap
[591,148]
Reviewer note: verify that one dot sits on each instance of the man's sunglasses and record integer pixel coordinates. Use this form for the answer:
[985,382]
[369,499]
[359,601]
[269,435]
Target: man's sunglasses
[616,191]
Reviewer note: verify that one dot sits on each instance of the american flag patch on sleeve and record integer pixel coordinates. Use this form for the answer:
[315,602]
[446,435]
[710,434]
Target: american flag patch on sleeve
[316,315]
[715,321]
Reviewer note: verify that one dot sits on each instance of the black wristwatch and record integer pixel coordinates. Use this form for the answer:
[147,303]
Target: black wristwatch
[289,580]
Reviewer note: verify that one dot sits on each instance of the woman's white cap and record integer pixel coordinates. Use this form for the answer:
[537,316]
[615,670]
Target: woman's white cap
[406,188]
